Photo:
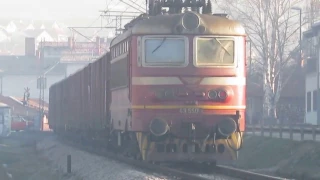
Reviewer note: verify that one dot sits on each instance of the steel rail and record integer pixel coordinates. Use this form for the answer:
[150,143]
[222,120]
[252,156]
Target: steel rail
[243,174]
[169,171]
[136,163]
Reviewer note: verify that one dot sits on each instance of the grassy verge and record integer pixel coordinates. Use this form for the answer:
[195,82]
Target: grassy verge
[292,159]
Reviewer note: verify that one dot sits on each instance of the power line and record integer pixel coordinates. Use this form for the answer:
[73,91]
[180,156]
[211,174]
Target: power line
[132,6]
[137,4]
[121,16]
[107,13]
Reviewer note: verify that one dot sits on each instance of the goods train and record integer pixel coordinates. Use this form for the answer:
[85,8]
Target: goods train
[171,89]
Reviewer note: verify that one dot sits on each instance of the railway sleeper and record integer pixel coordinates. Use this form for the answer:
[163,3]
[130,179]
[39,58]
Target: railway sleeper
[186,148]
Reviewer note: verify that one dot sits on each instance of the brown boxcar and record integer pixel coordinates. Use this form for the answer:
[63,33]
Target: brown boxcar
[80,103]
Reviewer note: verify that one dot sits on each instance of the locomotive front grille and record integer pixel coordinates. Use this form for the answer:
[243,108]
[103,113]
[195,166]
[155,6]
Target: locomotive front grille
[192,130]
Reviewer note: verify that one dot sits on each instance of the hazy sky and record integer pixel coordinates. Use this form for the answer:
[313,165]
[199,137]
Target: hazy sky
[54,9]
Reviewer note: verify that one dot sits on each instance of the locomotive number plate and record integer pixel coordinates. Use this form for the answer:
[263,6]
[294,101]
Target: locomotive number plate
[189,110]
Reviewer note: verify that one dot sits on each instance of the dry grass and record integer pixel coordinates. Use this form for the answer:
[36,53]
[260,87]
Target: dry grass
[3,174]
[22,161]
[292,159]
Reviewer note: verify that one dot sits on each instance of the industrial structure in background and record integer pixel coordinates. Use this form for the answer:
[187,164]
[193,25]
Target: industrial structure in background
[51,56]
[62,56]
[5,120]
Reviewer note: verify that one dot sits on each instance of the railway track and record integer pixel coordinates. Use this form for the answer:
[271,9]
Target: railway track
[176,172]
[242,174]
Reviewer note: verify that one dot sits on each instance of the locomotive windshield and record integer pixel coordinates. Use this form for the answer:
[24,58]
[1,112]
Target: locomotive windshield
[163,51]
[215,51]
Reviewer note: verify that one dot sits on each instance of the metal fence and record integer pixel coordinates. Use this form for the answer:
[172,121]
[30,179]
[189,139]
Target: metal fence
[294,132]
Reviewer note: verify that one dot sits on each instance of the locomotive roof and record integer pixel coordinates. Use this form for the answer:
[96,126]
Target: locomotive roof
[164,24]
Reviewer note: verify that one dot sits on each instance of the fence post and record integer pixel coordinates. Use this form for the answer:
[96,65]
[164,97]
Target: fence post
[35,146]
[253,130]
[313,133]
[290,131]
[262,130]
[280,132]
[302,133]
[270,129]
[69,163]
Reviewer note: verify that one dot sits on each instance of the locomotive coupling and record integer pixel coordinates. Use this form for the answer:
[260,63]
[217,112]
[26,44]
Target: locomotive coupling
[159,127]
[227,126]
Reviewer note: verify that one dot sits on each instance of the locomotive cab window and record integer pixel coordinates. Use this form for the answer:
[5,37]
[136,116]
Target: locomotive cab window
[211,51]
[165,51]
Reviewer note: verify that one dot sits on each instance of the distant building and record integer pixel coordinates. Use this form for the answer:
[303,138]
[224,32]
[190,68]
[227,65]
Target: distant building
[11,27]
[5,120]
[3,35]
[39,35]
[58,59]
[290,107]
[22,71]
[312,59]
[13,32]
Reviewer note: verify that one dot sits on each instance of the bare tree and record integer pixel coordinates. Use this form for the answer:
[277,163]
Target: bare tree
[272,29]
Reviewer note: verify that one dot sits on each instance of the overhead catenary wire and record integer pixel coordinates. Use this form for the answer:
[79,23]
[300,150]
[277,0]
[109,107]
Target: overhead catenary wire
[110,22]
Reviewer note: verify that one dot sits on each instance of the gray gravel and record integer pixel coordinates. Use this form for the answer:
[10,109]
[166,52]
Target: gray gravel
[217,177]
[88,166]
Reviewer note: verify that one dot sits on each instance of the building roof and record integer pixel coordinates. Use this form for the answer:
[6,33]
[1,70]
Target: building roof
[3,105]
[33,33]
[34,103]
[23,24]
[19,109]
[3,30]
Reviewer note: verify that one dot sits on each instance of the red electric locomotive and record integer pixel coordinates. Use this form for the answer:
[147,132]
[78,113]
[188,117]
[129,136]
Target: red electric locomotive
[172,88]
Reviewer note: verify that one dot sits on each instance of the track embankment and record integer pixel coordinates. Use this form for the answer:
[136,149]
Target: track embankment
[220,172]
[19,159]
[4,174]
[280,157]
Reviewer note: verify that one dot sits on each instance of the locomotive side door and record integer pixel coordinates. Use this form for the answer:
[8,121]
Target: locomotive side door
[129,58]
[129,74]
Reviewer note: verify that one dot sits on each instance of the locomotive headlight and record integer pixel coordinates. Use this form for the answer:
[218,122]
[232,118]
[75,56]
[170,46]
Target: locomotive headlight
[159,94]
[169,93]
[227,126]
[212,94]
[222,94]
[164,94]
[190,21]
[159,127]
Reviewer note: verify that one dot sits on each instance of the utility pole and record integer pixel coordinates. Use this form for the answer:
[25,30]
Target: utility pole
[300,32]
[40,85]
[1,79]
[318,88]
